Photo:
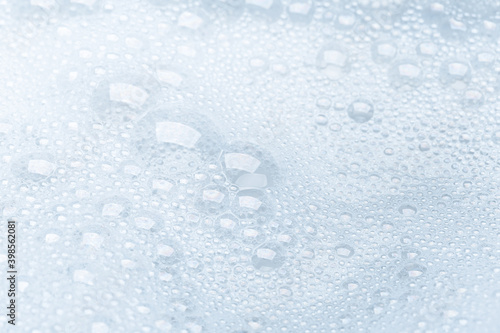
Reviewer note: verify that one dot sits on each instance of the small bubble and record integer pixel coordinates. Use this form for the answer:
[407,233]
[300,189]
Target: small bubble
[456,74]
[351,285]
[406,72]
[268,257]
[412,271]
[344,251]
[323,103]
[321,120]
[473,98]
[360,111]
[384,51]
[424,146]
[301,11]
[333,62]
[407,210]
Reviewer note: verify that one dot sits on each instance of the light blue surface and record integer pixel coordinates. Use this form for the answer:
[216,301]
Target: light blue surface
[251,166]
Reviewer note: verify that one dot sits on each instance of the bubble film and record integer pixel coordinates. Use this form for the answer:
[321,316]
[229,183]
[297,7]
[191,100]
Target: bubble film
[251,165]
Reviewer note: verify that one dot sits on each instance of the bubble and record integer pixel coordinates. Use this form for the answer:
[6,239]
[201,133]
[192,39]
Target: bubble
[495,137]
[407,210]
[191,20]
[410,253]
[213,200]
[227,224]
[452,28]
[161,185]
[301,11]
[455,73]
[147,220]
[344,251]
[268,257]
[51,238]
[269,8]
[258,64]
[171,76]
[114,207]
[384,51]
[160,2]
[99,327]
[427,49]
[227,8]
[484,59]
[473,98]
[248,166]
[78,7]
[360,111]
[253,235]
[333,62]
[351,285]
[412,271]
[285,291]
[94,237]
[176,139]
[253,204]
[125,97]
[321,120]
[83,276]
[35,11]
[286,240]
[323,102]
[406,72]
[345,20]
[168,253]
[34,166]
[424,146]
[131,168]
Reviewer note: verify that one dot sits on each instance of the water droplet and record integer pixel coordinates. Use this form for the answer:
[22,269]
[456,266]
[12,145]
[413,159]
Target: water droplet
[344,251]
[268,257]
[360,111]
[456,74]
[407,210]
[333,62]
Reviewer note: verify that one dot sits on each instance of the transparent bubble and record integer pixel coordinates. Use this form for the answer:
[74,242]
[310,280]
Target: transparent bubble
[384,51]
[427,49]
[333,61]
[344,251]
[406,72]
[301,11]
[412,271]
[456,74]
[253,204]
[248,166]
[270,9]
[125,97]
[213,200]
[34,166]
[321,120]
[345,20]
[407,210]
[350,285]
[114,207]
[227,8]
[473,98]
[360,111]
[268,257]
[175,139]
[227,224]
[78,7]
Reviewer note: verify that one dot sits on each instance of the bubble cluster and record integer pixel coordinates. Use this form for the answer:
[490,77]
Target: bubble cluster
[252,165]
